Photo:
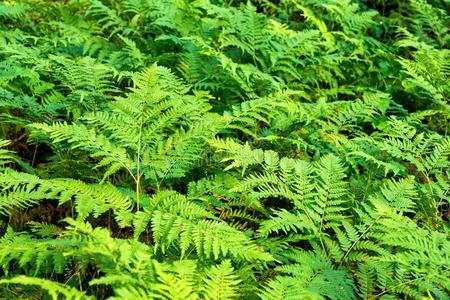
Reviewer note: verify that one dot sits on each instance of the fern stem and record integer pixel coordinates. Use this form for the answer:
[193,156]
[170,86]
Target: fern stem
[138,163]
[357,240]
[34,155]
[138,189]
[395,286]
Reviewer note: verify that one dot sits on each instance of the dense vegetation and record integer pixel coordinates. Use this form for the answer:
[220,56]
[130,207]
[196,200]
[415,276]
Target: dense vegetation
[221,149]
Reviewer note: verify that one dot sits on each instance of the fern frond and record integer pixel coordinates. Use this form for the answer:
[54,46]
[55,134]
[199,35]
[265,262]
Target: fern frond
[54,289]
[221,282]
[8,10]
[22,190]
[331,192]
[209,238]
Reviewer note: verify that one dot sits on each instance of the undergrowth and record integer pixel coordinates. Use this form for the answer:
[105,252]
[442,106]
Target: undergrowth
[209,149]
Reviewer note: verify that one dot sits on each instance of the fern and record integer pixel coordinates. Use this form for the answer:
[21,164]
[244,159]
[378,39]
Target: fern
[129,137]
[224,149]
[210,238]
[21,190]
[317,281]
[54,289]
[6,156]
[221,283]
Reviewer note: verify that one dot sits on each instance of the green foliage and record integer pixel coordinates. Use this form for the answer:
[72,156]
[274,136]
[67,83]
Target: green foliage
[54,289]
[215,149]
[311,277]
